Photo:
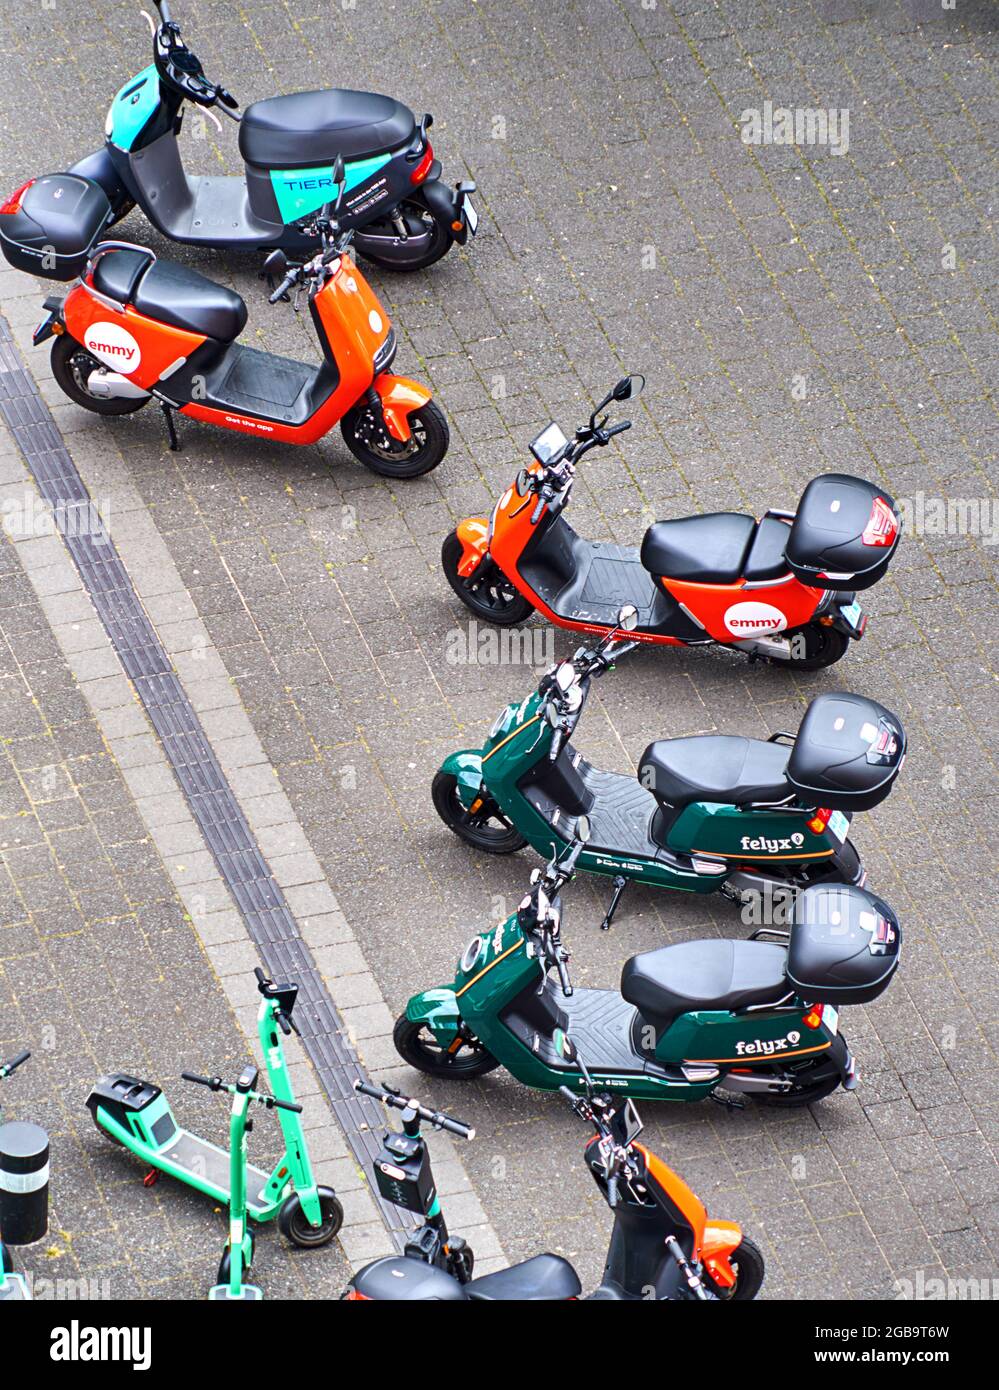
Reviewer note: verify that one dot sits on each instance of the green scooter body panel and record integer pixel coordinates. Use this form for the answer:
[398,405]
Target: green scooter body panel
[767,837]
[466,768]
[733,1039]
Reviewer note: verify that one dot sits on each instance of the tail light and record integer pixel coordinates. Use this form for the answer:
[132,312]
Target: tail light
[881,527]
[423,168]
[352,1296]
[813,1018]
[13,203]
[820,820]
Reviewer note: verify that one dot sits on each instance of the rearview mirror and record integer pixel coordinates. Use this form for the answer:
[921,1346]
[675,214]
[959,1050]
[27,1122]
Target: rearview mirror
[627,617]
[276,265]
[582,833]
[629,387]
[337,174]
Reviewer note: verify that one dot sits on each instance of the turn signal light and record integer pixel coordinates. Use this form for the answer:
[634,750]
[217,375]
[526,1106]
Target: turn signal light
[13,203]
[423,168]
[819,821]
[881,528]
[814,1016]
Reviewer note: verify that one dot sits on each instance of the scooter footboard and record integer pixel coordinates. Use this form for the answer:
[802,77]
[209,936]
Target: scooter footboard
[438,1009]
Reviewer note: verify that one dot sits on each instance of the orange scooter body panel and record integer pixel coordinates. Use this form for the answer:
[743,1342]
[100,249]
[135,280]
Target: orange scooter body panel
[693,1209]
[127,342]
[400,397]
[733,612]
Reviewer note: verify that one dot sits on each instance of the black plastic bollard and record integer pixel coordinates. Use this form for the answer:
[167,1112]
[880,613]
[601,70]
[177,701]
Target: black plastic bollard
[24,1183]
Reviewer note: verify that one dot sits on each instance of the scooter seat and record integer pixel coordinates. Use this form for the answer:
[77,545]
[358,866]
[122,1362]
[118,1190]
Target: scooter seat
[708,549]
[715,767]
[171,293]
[721,975]
[544,1278]
[765,559]
[306,129]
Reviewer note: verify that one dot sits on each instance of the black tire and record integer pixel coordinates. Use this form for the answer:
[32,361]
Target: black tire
[749,1274]
[420,220]
[417,1046]
[225,1263]
[72,365]
[428,442]
[805,1091]
[294,1225]
[823,646]
[487,830]
[493,598]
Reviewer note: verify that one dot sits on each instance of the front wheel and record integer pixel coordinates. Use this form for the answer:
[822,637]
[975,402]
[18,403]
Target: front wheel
[367,438]
[225,1264]
[747,1262]
[73,366]
[813,648]
[295,1226]
[464,1058]
[488,593]
[485,828]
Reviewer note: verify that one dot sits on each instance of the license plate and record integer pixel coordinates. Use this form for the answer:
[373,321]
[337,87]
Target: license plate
[853,613]
[469,213]
[838,825]
[830,1017]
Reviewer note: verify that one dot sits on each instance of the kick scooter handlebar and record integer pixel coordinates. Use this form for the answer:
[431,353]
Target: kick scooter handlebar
[7,1067]
[398,1101]
[270,990]
[215,1083]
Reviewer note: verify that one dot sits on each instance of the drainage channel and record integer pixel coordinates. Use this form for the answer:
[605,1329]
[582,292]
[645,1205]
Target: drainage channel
[226,831]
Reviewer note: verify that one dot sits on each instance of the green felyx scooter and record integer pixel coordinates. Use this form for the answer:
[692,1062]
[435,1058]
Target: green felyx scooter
[137,1114]
[13,1287]
[755,1017]
[712,813]
[237,1258]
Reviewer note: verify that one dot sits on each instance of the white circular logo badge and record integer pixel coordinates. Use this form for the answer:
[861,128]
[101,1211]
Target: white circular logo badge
[750,619]
[375,319]
[114,346]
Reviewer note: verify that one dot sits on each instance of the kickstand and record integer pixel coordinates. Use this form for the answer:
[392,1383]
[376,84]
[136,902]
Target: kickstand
[620,884]
[171,427]
[729,1102]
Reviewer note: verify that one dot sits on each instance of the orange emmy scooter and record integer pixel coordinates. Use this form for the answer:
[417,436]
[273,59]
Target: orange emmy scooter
[135,329]
[782,589]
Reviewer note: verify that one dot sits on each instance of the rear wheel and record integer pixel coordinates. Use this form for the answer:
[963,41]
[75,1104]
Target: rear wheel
[488,594]
[427,238]
[295,1226]
[417,1045]
[366,437]
[810,1082]
[73,366]
[486,828]
[747,1263]
[818,646]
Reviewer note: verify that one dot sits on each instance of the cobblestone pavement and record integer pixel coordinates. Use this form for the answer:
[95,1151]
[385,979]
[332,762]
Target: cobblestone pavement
[796,311]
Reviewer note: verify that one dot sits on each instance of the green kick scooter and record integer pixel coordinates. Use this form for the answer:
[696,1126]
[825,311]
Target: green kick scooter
[137,1115]
[13,1287]
[237,1258]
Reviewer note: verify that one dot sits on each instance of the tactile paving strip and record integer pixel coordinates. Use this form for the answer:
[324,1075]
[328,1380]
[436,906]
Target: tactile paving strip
[228,835]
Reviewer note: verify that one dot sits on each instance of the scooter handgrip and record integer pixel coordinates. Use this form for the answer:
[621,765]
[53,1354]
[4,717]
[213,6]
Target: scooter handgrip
[15,1062]
[261,977]
[569,1095]
[286,284]
[455,1127]
[198,1080]
[286,1105]
[284,1024]
[619,428]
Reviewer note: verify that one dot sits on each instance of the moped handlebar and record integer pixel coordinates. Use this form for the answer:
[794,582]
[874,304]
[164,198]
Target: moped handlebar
[288,283]
[397,1101]
[7,1067]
